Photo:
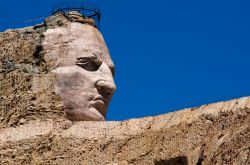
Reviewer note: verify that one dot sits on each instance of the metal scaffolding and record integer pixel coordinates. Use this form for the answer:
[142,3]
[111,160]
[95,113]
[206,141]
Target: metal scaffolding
[87,10]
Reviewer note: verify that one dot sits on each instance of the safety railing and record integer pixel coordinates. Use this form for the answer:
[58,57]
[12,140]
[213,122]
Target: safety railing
[87,10]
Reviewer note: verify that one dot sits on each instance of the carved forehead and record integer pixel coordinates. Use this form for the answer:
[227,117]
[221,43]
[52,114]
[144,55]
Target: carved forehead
[77,40]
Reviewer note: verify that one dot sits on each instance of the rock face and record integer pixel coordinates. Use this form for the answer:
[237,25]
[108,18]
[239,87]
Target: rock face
[58,69]
[211,134]
[34,128]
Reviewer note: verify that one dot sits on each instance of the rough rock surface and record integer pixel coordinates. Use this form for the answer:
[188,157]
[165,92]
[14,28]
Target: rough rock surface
[27,88]
[211,134]
[33,129]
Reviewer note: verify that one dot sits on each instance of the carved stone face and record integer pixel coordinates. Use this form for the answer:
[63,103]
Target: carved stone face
[84,70]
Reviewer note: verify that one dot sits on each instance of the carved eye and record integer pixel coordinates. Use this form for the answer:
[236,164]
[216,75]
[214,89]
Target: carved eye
[87,64]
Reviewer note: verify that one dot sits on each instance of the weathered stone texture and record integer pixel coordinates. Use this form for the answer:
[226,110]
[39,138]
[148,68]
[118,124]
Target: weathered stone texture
[211,134]
[33,128]
[27,87]
[36,81]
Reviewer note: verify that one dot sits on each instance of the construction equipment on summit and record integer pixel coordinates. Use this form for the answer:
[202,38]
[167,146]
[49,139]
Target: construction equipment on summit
[90,13]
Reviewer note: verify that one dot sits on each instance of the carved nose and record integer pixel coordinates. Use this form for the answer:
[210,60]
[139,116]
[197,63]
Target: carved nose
[106,88]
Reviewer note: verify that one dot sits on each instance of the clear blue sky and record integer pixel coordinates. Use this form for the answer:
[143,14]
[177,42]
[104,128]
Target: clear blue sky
[169,55]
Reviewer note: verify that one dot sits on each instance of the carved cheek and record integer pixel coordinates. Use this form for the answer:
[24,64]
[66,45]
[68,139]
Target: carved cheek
[73,81]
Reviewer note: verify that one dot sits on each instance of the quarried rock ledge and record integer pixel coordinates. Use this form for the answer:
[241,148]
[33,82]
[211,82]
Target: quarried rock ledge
[211,134]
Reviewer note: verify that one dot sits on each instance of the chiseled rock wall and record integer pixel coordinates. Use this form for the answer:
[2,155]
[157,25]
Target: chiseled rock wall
[33,129]
[211,134]
[27,85]
[26,88]
[39,75]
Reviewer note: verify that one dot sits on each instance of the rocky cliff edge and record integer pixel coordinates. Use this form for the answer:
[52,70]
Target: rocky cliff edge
[211,134]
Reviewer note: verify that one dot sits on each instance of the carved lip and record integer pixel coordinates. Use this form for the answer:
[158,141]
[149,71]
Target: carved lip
[100,104]
[99,98]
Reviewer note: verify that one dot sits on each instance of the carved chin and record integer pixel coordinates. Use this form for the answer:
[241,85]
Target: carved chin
[84,115]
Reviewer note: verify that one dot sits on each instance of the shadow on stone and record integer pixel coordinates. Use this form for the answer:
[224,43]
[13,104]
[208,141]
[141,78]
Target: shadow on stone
[182,160]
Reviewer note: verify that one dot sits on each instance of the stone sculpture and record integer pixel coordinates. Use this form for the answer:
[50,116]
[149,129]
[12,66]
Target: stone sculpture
[64,64]
[83,68]
[58,69]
